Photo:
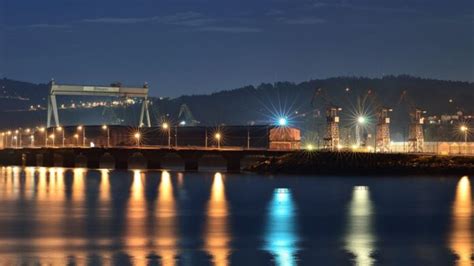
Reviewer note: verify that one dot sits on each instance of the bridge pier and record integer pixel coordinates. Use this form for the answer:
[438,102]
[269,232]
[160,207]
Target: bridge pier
[69,159]
[233,161]
[191,160]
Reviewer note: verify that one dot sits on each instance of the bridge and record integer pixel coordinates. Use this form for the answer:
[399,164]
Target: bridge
[130,157]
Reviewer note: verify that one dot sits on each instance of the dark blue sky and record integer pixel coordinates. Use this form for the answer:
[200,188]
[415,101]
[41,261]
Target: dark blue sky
[199,46]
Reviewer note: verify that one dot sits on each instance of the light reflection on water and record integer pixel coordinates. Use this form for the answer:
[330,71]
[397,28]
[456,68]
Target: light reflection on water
[216,236]
[462,236]
[58,216]
[281,231]
[360,236]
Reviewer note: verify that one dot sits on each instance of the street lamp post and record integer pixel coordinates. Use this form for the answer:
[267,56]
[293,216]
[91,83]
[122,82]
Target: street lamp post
[218,138]
[465,130]
[360,122]
[83,129]
[9,133]
[106,128]
[76,137]
[60,129]
[16,141]
[166,127]
[137,137]
[42,131]
[176,136]
[53,137]
[18,136]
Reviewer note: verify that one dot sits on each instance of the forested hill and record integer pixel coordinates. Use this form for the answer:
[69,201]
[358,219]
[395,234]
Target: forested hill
[263,103]
[254,103]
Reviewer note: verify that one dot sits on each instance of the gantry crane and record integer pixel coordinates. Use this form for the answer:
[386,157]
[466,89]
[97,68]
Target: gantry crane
[416,139]
[331,137]
[382,130]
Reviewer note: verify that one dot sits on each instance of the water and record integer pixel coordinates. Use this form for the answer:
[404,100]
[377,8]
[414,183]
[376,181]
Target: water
[100,217]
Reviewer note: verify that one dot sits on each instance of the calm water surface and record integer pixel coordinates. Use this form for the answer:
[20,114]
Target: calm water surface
[99,217]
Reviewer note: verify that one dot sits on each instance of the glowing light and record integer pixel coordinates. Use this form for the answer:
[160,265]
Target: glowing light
[59,129]
[462,231]
[218,136]
[216,235]
[282,121]
[339,146]
[104,127]
[361,120]
[137,135]
[182,123]
[281,232]
[309,147]
[166,235]
[79,128]
[165,126]
[360,238]
[463,128]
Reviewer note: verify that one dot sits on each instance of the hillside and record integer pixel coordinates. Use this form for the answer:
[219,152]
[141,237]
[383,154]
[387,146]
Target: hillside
[262,104]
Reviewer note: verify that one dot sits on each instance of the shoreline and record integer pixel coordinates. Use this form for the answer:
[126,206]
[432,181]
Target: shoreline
[368,164]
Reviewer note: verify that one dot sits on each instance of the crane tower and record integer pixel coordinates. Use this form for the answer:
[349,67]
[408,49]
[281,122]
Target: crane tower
[382,135]
[415,133]
[331,139]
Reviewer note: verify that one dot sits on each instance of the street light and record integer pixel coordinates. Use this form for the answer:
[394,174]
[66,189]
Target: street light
[166,127]
[83,129]
[53,137]
[3,140]
[32,138]
[16,141]
[464,129]
[106,128]
[18,132]
[361,120]
[6,138]
[60,129]
[76,137]
[137,137]
[42,130]
[218,138]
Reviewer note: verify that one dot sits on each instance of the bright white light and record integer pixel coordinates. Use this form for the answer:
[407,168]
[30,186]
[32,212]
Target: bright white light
[182,123]
[309,147]
[361,120]
[282,121]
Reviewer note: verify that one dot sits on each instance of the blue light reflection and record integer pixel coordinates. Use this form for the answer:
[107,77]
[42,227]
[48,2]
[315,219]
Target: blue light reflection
[281,230]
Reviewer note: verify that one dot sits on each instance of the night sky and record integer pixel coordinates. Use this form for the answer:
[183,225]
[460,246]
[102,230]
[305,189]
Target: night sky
[200,46]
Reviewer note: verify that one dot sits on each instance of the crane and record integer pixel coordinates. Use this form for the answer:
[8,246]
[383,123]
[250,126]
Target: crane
[382,130]
[416,137]
[331,137]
